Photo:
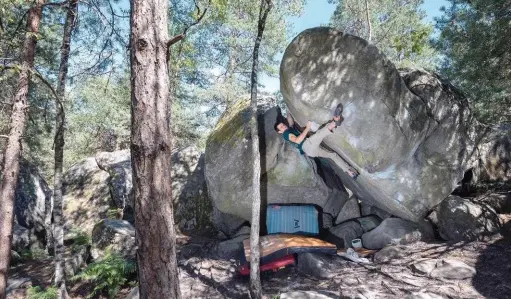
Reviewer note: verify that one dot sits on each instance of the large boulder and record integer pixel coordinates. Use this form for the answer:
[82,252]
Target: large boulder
[193,210]
[286,176]
[32,207]
[87,197]
[20,237]
[118,166]
[460,219]
[492,161]
[410,135]
[101,187]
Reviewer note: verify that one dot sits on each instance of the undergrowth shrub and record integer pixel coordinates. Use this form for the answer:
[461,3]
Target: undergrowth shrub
[80,239]
[39,293]
[108,274]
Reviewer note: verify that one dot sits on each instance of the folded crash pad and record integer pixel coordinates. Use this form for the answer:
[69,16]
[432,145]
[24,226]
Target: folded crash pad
[271,266]
[292,219]
[279,245]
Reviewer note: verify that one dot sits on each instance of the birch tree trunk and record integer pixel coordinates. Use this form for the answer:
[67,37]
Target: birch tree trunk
[151,150]
[255,279]
[13,148]
[60,276]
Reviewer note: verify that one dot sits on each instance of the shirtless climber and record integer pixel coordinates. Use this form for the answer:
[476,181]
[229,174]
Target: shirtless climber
[311,146]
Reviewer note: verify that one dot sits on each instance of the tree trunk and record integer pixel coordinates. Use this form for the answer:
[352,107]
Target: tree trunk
[369,29]
[13,148]
[60,275]
[151,151]
[255,279]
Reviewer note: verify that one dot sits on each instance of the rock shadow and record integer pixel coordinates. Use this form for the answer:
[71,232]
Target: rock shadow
[493,266]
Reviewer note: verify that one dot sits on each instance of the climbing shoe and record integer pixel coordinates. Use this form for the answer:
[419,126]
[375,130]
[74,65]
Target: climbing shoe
[352,173]
[338,114]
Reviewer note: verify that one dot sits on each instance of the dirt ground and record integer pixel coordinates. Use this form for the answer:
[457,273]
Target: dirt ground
[203,277]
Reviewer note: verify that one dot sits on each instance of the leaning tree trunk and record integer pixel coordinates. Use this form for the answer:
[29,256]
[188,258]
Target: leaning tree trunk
[60,275]
[151,151]
[255,279]
[368,19]
[13,148]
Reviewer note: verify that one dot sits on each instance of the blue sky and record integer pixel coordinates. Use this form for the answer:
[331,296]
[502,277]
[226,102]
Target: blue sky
[318,12]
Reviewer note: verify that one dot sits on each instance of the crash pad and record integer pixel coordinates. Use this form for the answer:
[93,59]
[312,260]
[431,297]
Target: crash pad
[276,246]
[292,219]
[270,266]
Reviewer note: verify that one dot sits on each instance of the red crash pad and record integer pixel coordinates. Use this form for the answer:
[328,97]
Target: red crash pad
[273,265]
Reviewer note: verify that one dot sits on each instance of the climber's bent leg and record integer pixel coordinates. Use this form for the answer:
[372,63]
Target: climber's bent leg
[311,144]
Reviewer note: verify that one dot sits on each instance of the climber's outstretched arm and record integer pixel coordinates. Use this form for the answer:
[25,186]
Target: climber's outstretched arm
[302,136]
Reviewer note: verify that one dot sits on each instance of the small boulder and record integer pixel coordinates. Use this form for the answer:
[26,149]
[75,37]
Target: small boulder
[392,231]
[342,235]
[76,258]
[369,223]
[349,211]
[423,295]
[116,236]
[444,269]
[388,254]
[232,248]
[133,294]
[321,266]
[368,209]
[460,219]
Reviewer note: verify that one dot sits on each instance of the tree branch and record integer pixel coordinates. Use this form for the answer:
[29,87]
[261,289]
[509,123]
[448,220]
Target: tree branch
[181,36]
[175,39]
[4,136]
[48,84]
[55,3]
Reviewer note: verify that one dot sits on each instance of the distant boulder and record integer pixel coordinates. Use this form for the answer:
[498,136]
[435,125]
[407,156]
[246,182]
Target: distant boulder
[113,236]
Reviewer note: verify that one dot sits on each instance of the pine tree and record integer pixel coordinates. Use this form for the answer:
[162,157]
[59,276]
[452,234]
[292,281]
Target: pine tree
[13,149]
[151,150]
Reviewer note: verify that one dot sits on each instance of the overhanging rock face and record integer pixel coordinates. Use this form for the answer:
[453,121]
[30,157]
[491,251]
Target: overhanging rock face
[409,137]
[286,176]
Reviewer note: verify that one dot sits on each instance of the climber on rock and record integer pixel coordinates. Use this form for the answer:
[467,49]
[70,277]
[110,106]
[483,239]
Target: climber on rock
[311,145]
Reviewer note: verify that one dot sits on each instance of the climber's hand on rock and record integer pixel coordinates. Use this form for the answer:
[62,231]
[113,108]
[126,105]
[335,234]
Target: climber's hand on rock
[308,125]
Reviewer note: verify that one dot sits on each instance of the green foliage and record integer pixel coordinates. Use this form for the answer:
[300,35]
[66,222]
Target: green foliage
[114,214]
[210,69]
[108,274]
[34,254]
[397,29]
[476,45]
[98,117]
[39,293]
[80,239]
